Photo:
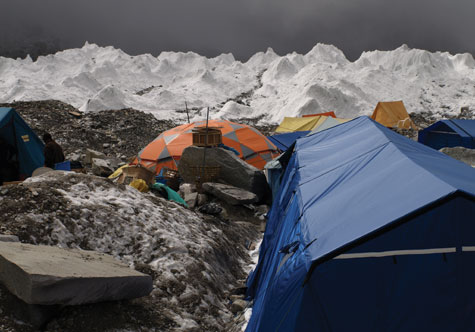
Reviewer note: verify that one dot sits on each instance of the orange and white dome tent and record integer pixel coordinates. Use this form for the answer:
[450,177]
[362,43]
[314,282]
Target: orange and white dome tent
[166,149]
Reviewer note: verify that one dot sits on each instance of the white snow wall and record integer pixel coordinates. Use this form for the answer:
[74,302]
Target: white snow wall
[95,78]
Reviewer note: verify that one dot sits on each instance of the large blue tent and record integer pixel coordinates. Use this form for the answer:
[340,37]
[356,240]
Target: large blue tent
[370,231]
[449,133]
[29,148]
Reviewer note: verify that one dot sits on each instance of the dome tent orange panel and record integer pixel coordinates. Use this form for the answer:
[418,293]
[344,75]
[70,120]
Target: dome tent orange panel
[166,149]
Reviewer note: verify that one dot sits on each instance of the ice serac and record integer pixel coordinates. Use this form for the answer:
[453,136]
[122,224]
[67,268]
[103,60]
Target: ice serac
[50,275]
[109,98]
[438,82]
[233,110]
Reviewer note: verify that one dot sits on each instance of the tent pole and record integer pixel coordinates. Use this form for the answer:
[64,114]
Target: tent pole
[206,145]
[187,114]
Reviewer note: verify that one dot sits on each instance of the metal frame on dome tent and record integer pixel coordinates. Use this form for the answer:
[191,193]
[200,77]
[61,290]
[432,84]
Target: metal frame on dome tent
[166,149]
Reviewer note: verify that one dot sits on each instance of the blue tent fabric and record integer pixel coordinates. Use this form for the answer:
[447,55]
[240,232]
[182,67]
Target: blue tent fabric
[384,228]
[17,133]
[284,141]
[449,133]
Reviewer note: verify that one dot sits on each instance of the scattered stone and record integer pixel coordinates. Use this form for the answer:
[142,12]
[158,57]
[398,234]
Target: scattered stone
[50,275]
[233,170]
[191,199]
[224,214]
[262,227]
[261,210]
[9,238]
[92,154]
[202,199]
[187,188]
[101,167]
[460,153]
[211,208]
[229,194]
[36,315]
[236,297]
[238,306]
[41,170]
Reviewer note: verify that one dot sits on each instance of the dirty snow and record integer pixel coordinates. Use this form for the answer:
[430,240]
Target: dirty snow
[270,86]
[194,260]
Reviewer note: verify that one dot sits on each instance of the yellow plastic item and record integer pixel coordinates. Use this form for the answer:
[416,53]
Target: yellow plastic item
[140,185]
[117,172]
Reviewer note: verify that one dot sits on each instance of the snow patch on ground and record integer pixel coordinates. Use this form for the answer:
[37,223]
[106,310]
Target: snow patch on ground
[193,261]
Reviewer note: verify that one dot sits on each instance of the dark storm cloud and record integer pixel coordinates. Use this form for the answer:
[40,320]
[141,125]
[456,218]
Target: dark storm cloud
[243,27]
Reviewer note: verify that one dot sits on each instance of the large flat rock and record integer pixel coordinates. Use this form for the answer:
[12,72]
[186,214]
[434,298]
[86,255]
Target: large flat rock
[230,194]
[51,275]
[233,170]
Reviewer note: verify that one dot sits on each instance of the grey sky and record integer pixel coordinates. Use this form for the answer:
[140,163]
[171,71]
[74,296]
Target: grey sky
[242,27]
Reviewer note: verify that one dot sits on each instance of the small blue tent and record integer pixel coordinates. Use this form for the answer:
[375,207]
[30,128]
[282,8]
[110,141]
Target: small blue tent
[284,141]
[370,231]
[15,131]
[449,133]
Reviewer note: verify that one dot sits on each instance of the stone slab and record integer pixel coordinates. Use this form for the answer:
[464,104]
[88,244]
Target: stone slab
[230,194]
[9,238]
[41,170]
[233,170]
[50,275]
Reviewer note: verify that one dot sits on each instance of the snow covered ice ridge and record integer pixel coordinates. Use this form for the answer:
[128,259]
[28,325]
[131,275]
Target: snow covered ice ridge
[96,78]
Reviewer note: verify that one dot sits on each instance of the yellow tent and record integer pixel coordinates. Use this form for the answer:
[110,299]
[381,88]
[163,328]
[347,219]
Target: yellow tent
[289,124]
[392,114]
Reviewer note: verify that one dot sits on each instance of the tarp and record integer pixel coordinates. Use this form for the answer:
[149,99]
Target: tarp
[283,141]
[449,133]
[328,123]
[273,172]
[16,132]
[376,237]
[165,150]
[392,114]
[172,195]
[290,124]
[332,114]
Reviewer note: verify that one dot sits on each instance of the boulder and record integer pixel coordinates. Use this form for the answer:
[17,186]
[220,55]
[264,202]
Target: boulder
[211,208]
[202,199]
[233,170]
[92,154]
[9,238]
[187,188]
[101,167]
[460,153]
[230,194]
[41,170]
[191,199]
[238,306]
[50,275]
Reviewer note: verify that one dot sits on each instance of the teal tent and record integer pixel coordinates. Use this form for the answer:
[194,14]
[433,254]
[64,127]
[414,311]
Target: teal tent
[16,133]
